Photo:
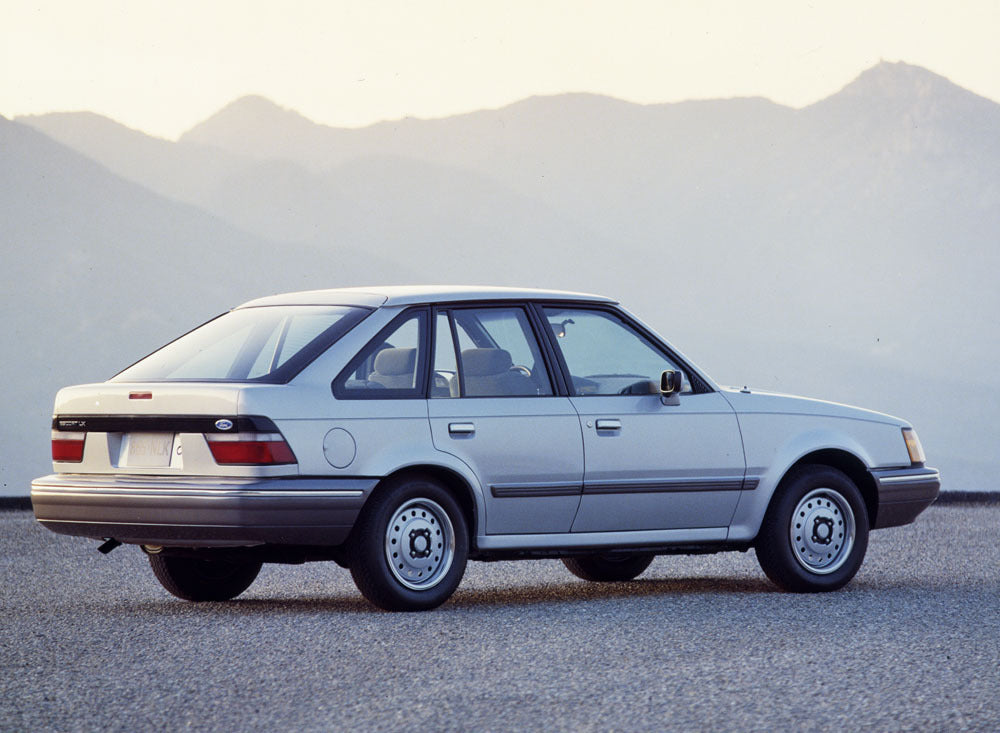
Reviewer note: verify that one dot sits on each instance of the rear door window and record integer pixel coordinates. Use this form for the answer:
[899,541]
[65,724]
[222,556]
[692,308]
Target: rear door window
[497,355]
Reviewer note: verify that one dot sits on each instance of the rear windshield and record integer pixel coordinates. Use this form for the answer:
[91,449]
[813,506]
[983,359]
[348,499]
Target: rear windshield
[265,344]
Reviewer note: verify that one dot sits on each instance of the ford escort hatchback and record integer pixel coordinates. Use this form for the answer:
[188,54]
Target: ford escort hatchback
[401,431]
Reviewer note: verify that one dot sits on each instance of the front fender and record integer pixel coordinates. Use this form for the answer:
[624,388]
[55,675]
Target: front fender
[771,454]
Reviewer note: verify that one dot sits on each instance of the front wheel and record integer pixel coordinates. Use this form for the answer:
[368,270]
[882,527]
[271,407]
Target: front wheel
[409,547]
[196,579]
[608,567]
[815,533]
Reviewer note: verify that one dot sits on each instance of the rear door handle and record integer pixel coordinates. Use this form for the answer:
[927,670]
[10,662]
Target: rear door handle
[461,428]
[609,424]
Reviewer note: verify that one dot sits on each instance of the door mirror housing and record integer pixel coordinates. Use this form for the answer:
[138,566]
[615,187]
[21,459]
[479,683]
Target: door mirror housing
[670,382]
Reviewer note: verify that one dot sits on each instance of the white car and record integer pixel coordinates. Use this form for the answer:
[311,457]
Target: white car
[400,431]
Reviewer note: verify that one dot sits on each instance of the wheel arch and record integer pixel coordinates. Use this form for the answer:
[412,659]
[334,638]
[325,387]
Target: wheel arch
[452,480]
[822,449]
[848,464]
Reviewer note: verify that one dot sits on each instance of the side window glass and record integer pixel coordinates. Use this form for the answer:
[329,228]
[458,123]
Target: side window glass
[390,365]
[499,356]
[444,381]
[604,355]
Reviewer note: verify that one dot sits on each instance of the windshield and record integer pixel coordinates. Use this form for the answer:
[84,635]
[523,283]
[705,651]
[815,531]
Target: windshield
[265,344]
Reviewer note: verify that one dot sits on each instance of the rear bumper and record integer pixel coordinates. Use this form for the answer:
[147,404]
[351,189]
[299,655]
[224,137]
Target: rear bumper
[903,494]
[202,511]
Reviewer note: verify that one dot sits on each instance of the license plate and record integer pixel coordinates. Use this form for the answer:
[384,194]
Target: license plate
[148,450]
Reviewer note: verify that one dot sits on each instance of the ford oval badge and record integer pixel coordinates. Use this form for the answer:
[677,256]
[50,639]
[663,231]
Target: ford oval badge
[224,424]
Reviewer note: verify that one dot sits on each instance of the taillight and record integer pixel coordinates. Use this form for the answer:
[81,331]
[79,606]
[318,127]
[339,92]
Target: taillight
[67,447]
[250,449]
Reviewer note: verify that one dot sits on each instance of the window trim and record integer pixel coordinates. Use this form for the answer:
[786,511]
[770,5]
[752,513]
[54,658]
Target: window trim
[699,385]
[437,311]
[552,357]
[551,352]
[422,313]
[459,367]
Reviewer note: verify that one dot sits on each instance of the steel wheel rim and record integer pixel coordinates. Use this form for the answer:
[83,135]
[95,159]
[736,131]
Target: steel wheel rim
[821,531]
[419,544]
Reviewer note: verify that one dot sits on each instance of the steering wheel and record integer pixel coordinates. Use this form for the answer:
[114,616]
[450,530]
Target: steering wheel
[521,368]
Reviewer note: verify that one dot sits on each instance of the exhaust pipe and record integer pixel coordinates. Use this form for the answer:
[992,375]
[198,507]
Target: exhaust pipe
[109,544]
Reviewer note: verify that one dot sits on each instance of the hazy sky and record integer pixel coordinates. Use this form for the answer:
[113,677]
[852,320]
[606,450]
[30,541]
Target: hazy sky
[164,66]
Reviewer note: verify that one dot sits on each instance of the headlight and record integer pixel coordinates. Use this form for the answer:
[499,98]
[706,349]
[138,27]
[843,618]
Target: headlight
[913,446]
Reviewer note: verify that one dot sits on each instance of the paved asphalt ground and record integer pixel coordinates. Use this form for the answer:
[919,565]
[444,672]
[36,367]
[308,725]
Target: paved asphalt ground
[93,643]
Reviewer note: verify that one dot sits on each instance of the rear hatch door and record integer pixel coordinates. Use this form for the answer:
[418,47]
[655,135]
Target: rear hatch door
[158,428]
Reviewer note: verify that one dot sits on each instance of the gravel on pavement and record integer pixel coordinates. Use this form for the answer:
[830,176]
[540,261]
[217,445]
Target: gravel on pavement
[90,642]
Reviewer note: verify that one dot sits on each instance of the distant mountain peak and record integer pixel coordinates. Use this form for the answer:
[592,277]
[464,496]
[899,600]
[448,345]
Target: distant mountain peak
[248,116]
[912,97]
[256,104]
[895,79]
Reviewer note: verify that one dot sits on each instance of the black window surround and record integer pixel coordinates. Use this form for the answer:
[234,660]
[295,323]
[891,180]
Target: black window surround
[557,370]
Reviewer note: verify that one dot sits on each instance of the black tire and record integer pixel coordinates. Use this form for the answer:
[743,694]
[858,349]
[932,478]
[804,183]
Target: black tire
[416,524]
[608,567]
[815,533]
[204,580]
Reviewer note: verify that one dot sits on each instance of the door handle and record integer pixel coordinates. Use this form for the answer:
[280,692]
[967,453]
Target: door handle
[461,428]
[609,424]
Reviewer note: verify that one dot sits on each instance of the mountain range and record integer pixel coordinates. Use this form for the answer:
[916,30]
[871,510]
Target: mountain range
[845,250]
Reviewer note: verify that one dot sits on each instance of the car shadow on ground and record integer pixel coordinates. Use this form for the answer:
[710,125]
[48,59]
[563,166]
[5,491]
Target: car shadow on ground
[564,594]
[254,606]
[575,592]
[569,592]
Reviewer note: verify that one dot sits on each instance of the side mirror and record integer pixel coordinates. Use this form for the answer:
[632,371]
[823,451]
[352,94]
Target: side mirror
[670,382]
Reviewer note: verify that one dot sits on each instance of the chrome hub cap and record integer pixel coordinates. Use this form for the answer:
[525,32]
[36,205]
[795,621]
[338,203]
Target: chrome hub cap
[419,544]
[822,531]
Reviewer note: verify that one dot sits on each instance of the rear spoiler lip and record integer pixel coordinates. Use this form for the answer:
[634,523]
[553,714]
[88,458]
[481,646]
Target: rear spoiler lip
[164,424]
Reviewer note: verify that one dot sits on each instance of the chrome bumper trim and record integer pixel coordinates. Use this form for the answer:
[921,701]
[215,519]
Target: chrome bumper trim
[910,478]
[207,494]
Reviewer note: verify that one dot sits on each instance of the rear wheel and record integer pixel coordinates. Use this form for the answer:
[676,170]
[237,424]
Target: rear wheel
[608,567]
[409,547]
[815,533]
[195,579]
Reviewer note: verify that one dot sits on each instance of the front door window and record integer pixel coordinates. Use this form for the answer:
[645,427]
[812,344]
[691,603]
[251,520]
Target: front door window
[605,355]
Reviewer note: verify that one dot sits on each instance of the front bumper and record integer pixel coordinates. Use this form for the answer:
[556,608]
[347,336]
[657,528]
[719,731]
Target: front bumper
[202,511]
[903,493]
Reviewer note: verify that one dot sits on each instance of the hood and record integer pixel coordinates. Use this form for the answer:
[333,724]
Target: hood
[752,401]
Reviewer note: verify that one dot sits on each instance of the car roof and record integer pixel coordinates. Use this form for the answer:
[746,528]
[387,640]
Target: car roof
[374,297]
